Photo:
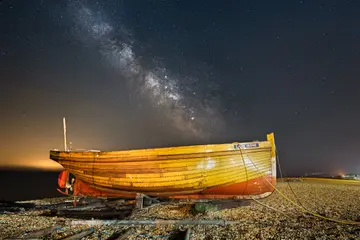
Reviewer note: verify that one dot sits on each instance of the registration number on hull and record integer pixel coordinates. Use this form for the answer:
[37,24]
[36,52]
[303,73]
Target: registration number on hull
[246,145]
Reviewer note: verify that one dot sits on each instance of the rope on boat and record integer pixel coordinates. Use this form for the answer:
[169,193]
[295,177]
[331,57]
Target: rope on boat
[247,182]
[304,210]
[246,172]
[282,177]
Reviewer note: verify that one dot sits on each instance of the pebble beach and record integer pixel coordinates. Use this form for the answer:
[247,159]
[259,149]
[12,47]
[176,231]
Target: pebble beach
[274,217]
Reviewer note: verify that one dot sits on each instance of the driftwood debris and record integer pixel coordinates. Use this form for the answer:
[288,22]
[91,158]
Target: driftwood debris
[80,235]
[36,233]
[100,209]
[8,206]
[122,235]
[91,206]
[88,214]
[152,222]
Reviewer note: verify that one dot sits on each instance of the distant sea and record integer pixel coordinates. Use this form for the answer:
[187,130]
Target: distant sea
[27,184]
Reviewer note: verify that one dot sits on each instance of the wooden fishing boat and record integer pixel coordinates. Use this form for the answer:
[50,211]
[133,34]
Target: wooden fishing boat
[228,171]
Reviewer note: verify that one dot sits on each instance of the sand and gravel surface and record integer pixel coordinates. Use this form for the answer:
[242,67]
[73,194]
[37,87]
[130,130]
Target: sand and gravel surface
[269,218]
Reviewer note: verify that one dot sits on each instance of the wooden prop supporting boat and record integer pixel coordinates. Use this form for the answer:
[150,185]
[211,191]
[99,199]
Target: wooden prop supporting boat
[223,171]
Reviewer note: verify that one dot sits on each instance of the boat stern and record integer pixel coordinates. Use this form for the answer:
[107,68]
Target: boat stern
[271,138]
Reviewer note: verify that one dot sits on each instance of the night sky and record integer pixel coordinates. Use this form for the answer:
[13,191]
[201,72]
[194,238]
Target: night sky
[141,74]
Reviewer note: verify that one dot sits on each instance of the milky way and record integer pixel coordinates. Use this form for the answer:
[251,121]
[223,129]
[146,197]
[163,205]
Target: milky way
[158,85]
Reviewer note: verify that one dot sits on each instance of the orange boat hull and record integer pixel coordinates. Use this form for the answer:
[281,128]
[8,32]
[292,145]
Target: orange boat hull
[223,171]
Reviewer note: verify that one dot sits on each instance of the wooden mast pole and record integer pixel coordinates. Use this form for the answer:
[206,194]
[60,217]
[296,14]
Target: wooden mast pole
[64,125]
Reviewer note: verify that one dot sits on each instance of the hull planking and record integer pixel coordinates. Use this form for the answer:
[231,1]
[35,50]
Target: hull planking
[227,171]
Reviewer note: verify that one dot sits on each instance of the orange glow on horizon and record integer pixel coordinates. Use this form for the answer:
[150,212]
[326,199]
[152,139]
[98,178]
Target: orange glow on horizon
[48,165]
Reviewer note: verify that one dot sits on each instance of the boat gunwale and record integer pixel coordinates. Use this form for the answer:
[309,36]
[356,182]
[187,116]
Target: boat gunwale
[154,157]
[129,151]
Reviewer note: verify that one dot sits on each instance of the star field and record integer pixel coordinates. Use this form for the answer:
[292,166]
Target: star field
[134,74]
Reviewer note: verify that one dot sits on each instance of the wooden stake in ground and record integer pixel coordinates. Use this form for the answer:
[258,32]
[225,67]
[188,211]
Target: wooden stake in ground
[139,201]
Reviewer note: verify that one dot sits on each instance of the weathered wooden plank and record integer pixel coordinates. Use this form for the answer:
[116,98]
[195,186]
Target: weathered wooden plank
[80,235]
[36,234]
[122,235]
[8,206]
[107,213]
[152,222]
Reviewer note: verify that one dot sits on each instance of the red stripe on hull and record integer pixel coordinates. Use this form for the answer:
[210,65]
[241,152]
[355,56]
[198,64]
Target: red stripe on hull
[255,187]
